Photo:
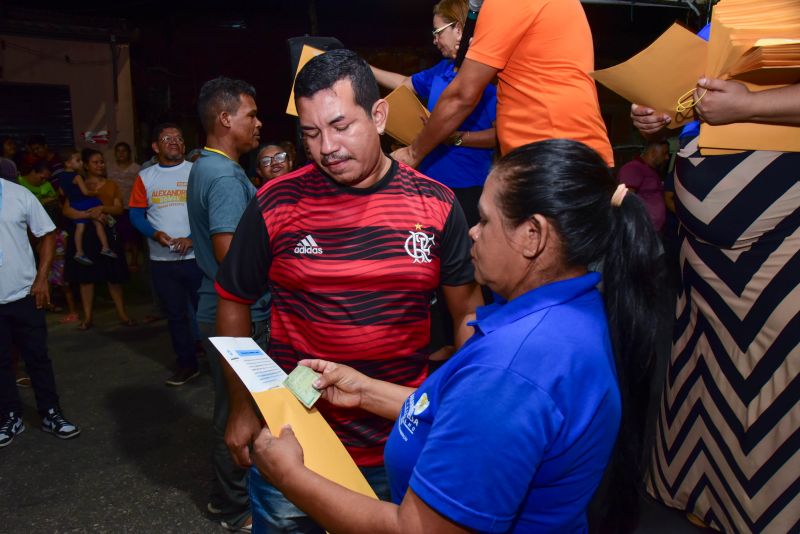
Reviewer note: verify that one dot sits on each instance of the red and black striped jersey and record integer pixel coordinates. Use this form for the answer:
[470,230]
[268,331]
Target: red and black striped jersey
[351,272]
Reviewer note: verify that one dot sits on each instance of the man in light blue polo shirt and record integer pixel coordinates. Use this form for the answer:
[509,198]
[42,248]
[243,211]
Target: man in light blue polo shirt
[218,193]
[24,296]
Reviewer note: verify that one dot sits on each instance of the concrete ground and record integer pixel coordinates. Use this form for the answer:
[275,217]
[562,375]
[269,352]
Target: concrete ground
[141,463]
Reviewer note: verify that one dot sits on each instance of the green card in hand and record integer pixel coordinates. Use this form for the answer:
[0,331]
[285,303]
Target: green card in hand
[299,383]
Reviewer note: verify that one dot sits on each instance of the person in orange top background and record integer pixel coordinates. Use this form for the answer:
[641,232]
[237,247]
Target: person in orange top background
[541,52]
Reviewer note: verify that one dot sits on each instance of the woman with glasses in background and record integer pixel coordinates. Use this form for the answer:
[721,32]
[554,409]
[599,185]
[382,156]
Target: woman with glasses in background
[273,160]
[463,162]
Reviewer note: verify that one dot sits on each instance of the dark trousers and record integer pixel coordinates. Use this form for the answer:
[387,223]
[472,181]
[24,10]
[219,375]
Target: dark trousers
[21,324]
[176,283]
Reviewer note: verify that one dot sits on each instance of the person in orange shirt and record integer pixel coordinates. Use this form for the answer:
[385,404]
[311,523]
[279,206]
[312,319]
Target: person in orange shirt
[541,52]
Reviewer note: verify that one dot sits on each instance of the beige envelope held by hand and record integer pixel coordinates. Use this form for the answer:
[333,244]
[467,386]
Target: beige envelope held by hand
[662,73]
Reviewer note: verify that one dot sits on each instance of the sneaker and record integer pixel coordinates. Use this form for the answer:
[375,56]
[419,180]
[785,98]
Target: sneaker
[10,426]
[246,526]
[109,253]
[83,260]
[213,509]
[55,423]
[181,376]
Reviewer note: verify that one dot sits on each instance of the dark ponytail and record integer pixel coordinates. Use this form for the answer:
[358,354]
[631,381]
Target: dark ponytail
[570,185]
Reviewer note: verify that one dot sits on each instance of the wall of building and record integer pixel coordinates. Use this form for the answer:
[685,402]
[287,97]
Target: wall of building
[89,70]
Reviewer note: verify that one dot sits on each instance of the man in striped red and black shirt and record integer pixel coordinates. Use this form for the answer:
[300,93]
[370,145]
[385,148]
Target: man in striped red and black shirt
[351,247]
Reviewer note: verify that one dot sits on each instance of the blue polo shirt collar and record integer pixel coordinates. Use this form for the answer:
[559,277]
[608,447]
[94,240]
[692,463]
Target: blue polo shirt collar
[490,318]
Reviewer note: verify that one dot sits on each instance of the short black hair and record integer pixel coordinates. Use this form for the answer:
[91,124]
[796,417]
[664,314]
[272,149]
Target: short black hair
[161,127]
[218,95]
[323,71]
[123,143]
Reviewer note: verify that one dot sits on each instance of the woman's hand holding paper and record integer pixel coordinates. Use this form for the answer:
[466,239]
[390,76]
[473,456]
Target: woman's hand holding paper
[339,384]
[648,121]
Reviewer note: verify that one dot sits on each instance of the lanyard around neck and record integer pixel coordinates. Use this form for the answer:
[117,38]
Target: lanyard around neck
[218,152]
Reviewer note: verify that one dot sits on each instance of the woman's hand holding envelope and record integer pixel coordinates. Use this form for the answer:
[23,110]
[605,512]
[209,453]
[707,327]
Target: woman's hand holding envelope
[648,121]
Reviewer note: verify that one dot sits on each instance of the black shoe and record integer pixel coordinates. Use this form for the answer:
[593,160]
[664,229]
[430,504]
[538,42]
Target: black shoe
[10,426]
[55,423]
[182,375]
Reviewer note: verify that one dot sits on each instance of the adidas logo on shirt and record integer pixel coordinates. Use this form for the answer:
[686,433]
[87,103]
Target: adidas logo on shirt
[307,245]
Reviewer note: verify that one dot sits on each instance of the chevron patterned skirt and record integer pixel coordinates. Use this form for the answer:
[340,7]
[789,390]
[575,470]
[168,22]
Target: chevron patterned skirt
[727,444]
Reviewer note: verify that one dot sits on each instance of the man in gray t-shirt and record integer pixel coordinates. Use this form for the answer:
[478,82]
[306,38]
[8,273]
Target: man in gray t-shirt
[217,195]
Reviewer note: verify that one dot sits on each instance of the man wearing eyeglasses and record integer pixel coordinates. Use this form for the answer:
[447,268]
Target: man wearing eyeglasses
[158,211]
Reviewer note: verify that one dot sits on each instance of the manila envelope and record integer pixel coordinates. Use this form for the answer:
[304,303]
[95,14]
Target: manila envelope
[405,109]
[305,56]
[660,75]
[323,453]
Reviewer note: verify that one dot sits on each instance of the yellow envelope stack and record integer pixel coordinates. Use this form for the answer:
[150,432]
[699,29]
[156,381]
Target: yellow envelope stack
[756,42]
[743,34]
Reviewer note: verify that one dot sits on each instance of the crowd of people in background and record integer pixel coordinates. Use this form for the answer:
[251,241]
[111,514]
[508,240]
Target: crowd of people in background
[509,212]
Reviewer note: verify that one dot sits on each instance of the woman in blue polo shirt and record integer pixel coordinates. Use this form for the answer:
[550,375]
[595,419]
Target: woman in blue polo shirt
[515,431]
[463,163]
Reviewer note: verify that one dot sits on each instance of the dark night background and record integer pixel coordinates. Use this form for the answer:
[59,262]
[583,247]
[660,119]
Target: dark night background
[176,46]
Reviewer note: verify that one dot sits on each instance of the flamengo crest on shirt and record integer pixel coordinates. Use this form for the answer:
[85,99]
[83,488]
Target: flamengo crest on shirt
[418,245]
[307,245]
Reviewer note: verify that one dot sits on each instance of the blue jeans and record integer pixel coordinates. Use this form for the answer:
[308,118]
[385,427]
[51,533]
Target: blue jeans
[272,512]
[176,283]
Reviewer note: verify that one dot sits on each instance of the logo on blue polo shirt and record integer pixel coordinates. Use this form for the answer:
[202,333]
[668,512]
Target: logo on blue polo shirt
[408,422]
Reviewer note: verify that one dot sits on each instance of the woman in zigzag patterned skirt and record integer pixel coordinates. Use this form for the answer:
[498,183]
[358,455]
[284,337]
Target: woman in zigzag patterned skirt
[728,432]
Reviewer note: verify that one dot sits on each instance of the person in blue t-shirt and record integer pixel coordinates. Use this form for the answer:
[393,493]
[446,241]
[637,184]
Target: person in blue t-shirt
[463,163]
[514,432]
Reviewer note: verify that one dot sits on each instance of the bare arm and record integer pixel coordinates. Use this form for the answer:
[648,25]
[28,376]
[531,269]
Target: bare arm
[221,243]
[345,387]
[391,80]
[72,213]
[46,250]
[462,301]
[336,508]
[454,106]
[725,102]
[117,207]
[233,319]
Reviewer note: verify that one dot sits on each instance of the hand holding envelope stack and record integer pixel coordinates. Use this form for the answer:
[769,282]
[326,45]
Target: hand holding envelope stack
[755,42]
